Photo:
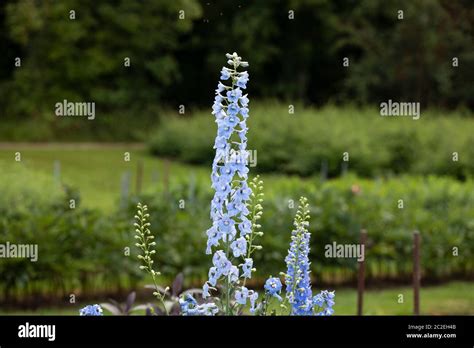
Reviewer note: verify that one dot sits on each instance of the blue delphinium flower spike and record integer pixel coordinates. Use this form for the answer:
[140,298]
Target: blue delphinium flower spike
[297,277]
[323,303]
[229,212]
[298,285]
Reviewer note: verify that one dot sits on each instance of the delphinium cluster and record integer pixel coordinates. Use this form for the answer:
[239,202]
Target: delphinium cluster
[235,213]
[299,295]
[189,307]
[231,237]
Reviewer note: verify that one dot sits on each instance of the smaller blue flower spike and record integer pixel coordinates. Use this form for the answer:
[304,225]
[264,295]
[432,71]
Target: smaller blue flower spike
[298,283]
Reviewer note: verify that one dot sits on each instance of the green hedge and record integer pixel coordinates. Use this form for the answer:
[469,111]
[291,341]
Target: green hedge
[441,209]
[311,139]
[79,250]
[82,251]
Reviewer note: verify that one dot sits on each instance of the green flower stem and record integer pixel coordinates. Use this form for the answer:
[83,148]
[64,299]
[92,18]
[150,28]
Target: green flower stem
[145,242]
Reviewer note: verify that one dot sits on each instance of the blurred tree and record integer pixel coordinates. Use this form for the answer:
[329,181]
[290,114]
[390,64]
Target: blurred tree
[84,55]
[411,59]
[176,49]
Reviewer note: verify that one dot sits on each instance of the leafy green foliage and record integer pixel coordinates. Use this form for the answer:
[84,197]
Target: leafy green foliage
[78,249]
[440,208]
[310,140]
[292,59]
[86,58]
[83,250]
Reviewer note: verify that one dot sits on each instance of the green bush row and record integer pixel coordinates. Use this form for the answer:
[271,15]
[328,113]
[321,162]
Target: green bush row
[79,250]
[315,141]
[82,251]
[442,209]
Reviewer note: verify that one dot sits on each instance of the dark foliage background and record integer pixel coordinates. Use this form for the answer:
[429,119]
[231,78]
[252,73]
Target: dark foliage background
[175,61]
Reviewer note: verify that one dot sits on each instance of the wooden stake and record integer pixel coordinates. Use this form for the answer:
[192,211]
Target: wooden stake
[416,272]
[138,183]
[57,171]
[361,275]
[124,188]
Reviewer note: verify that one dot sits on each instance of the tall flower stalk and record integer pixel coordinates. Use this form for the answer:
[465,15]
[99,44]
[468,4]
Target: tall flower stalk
[297,277]
[229,238]
[145,242]
[298,285]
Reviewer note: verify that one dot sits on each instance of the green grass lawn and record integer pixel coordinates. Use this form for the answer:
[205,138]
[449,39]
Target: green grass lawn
[447,299]
[96,170]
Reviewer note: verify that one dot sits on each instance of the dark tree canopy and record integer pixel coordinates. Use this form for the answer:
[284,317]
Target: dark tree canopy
[176,49]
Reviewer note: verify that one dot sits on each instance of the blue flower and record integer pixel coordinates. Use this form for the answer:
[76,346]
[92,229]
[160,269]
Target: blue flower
[325,301]
[233,274]
[224,129]
[221,263]
[244,112]
[244,101]
[220,87]
[244,192]
[213,236]
[247,268]
[239,247]
[216,107]
[208,309]
[273,287]
[91,310]
[232,120]
[213,276]
[234,95]
[242,80]
[225,224]
[221,143]
[205,291]
[225,74]
[233,109]
[253,299]
[228,170]
[190,307]
[235,208]
[245,227]
[222,187]
[318,300]
[241,295]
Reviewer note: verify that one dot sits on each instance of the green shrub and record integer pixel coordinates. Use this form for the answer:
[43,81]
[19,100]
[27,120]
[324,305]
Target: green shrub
[302,142]
[442,209]
[79,250]
[82,251]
